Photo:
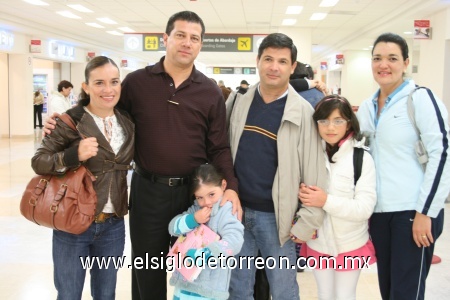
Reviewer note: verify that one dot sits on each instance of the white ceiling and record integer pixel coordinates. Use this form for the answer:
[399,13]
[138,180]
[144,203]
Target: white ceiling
[350,25]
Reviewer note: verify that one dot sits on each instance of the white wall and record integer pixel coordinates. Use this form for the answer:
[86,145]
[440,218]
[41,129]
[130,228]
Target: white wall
[357,82]
[433,55]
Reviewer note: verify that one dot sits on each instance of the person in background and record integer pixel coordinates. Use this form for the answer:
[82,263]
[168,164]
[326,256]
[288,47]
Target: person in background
[347,205]
[38,103]
[60,101]
[225,91]
[272,118]
[208,186]
[409,214]
[304,71]
[106,151]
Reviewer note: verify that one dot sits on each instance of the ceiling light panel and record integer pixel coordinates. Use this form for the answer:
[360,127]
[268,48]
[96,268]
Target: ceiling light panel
[318,16]
[114,32]
[106,20]
[294,10]
[95,25]
[328,3]
[80,8]
[126,29]
[36,2]
[68,14]
[288,22]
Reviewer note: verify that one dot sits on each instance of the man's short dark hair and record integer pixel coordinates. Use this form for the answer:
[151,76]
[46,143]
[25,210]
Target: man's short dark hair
[186,15]
[279,41]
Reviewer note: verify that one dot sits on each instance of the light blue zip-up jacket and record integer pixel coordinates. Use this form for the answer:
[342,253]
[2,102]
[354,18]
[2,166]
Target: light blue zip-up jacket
[401,183]
[213,282]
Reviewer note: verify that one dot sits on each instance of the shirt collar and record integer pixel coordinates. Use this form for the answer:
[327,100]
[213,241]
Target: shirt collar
[389,98]
[284,94]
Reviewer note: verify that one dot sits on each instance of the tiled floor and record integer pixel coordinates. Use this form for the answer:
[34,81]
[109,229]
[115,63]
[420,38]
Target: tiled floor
[25,249]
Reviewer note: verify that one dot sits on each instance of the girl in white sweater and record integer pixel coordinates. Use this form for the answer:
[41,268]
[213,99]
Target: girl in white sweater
[343,238]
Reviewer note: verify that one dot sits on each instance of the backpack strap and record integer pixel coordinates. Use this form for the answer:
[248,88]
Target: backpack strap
[358,154]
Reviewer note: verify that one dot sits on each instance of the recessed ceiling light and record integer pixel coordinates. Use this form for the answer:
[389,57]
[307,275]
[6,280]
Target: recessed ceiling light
[80,8]
[126,29]
[365,48]
[114,32]
[318,16]
[106,20]
[328,3]
[68,14]
[288,22]
[95,25]
[294,10]
[407,32]
[36,2]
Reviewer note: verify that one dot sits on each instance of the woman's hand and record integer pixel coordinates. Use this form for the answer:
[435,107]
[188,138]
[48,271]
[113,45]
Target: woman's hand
[421,230]
[88,148]
[312,196]
[202,216]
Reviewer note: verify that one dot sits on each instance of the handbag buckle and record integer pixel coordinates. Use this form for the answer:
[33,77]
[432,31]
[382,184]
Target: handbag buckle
[32,201]
[54,208]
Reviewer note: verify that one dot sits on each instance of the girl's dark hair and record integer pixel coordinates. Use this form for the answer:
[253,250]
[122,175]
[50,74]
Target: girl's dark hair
[95,63]
[206,174]
[324,109]
[393,38]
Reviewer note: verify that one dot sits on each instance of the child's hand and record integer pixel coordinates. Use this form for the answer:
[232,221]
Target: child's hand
[312,196]
[202,216]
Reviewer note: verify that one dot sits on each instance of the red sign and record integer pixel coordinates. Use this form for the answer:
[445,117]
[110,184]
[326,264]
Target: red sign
[422,23]
[422,29]
[35,46]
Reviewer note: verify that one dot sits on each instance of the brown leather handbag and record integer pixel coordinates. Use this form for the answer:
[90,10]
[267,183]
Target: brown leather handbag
[65,202]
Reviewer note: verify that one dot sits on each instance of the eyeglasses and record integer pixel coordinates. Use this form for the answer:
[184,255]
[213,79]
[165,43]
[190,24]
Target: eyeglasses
[335,122]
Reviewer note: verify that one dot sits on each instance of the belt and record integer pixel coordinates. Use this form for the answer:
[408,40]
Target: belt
[167,180]
[102,217]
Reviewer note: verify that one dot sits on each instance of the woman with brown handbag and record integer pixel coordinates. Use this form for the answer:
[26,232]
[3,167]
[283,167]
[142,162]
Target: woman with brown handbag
[104,143]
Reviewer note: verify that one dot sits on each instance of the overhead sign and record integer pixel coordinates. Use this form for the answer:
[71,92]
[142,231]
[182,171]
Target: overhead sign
[211,42]
[231,70]
[6,40]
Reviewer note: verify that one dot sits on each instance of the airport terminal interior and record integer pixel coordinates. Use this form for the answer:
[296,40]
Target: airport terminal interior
[45,41]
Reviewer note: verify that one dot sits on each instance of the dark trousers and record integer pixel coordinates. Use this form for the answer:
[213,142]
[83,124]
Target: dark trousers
[262,288]
[402,266]
[38,113]
[152,207]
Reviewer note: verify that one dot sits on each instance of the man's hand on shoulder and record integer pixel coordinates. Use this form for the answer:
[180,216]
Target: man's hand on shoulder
[50,124]
[232,196]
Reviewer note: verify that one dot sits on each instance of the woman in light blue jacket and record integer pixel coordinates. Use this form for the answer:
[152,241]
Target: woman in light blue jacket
[409,214]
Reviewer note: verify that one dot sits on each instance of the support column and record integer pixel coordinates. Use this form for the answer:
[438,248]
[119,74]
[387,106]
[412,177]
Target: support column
[21,95]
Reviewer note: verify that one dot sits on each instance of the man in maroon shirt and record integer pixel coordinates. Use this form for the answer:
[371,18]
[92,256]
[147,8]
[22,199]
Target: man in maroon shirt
[180,124]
